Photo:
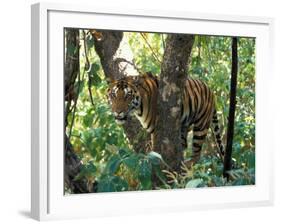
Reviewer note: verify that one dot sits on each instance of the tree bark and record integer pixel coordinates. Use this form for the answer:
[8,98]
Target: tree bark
[172,80]
[117,61]
[72,164]
[71,62]
[72,167]
[231,116]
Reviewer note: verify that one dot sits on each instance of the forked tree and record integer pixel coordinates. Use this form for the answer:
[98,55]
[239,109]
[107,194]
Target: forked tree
[117,61]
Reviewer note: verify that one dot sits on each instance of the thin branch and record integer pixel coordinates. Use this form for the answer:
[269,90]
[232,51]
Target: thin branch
[199,47]
[119,60]
[163,41]
[152,51]
[80,138]
[68,110]
[74,107]
[85,50]
[88,66]
[75,102]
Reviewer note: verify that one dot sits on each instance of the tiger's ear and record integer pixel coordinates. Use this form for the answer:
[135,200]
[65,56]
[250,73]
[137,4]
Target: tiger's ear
[110,79]
[136,80]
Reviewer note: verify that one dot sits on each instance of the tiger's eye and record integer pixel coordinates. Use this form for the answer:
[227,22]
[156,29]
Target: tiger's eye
[129,94]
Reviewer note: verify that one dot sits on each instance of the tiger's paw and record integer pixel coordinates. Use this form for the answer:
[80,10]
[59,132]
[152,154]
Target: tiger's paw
[189,163]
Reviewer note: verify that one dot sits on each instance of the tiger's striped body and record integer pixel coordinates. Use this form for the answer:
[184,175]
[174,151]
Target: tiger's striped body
[139,95]
[199,113]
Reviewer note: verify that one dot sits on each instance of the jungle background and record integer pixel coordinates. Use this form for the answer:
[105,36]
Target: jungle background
[101,156]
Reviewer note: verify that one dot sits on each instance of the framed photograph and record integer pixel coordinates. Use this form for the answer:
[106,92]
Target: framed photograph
[148,111]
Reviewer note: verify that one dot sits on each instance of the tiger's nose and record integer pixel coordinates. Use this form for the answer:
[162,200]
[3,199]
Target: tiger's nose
[120,114]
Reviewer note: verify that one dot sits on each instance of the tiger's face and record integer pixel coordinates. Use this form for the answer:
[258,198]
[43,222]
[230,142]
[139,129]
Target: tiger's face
[123,98]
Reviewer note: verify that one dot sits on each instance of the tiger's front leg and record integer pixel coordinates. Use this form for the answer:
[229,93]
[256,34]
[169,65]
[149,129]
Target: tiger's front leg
[184,133]
[150,145]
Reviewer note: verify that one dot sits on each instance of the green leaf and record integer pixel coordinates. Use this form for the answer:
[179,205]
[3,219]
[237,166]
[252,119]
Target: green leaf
[94,78]
[112,184]
[195,183]
[93,151]
[95,67]
[123,153]
[106,185]
[240,181]
[131,161]
[91,168]
[88,120]
[120,184]
[144,174]
[87,137]
[218,181]
[113,164]
[249,158]
[154,157]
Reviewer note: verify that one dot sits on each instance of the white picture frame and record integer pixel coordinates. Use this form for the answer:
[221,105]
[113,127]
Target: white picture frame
[48,201]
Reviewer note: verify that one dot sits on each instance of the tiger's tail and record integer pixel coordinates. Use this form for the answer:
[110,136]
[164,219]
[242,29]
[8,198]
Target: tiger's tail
[217,134]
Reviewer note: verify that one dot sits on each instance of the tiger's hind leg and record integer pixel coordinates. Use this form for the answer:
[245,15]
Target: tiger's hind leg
[199,136]
[216,132]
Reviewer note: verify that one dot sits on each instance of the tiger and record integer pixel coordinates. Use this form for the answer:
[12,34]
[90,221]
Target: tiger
[138,95]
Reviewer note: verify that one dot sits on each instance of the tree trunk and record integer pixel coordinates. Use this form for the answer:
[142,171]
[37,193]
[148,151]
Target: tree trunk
[72,165]
[117,61]
[172,80]
[71,62]
[231,116]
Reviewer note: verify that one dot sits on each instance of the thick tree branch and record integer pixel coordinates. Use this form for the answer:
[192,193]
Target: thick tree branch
[172,80]
[115,55]
[117,61]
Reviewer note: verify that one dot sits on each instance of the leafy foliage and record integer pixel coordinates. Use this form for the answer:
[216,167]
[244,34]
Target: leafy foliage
[108,158]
